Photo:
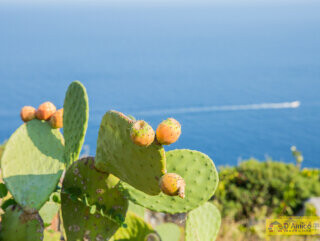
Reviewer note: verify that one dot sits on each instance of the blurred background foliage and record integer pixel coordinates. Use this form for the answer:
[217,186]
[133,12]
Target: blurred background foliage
[253,191]
[269,188]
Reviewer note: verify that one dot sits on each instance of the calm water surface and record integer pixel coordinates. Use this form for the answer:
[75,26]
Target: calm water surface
[143,58]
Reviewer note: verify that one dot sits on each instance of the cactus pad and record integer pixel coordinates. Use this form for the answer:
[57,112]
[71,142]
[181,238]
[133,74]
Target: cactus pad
[3,190]
[201,179]
[50,235]
[48,211]
[136,229]
[131,117]
[141,167]
[19,225]
[75,120]
[203,223]
[168,232]
[83,219]
[137,209]
[32,163]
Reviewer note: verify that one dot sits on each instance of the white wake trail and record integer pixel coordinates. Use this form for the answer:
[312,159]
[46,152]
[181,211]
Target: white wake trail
[262,106]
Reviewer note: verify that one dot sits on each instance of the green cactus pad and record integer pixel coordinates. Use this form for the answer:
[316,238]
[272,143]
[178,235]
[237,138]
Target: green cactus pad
[141,167]
[83,218]
[6,202]
[131,117]
[75,120]
[50,235]
[203,223]
[201,179]
[136,229]
[32,163]
[168,232]
[18,225]
[3,190]
[137,209]
[48,211]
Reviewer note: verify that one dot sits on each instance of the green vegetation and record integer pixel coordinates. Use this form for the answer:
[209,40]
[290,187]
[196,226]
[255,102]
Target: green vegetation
[32,163]
[264,188]
[249,193]
[106,197]
[91,200]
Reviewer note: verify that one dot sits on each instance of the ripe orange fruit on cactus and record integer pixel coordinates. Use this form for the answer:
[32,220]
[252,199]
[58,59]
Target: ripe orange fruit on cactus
[45,111]
[141,133]
[168,131]
[56,119]
[173,185]
[28,113]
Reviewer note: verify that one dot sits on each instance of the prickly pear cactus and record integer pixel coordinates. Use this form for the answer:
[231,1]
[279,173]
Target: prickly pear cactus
[75,120]
[136,229]
[50,235]
[48,211]
[168,232]
[201,179]
[19,225]
[92,208]
[32,163]
[3,190]
[137,209]
[131,117]
[141,167]
[203,223]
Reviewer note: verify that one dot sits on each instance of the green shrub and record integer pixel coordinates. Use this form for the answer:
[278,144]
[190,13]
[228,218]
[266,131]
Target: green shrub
[264,188]
[310,210]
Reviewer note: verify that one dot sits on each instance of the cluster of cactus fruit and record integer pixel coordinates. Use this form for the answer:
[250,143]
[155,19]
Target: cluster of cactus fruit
[46,111]
[102,197]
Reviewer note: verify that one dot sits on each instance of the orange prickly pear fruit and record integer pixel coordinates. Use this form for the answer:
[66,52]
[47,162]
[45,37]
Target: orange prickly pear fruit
[56,120]
[141,133]
[45,111]
[168,131]
[28,113]
[173,185]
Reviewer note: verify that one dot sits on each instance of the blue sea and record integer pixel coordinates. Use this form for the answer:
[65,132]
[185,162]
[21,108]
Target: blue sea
[209,65]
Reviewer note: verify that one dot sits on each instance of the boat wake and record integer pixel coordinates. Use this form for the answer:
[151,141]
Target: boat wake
[262,106]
